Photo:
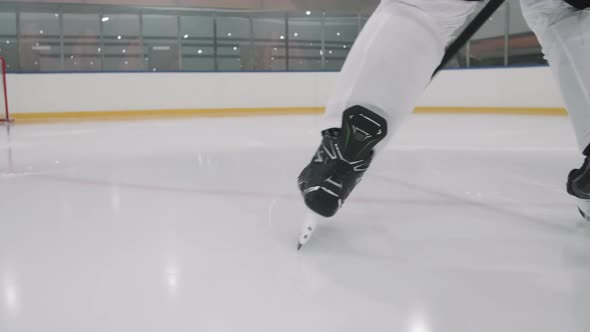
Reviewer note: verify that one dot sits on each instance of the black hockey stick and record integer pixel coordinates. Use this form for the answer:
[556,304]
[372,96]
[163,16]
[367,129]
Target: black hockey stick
[469,32]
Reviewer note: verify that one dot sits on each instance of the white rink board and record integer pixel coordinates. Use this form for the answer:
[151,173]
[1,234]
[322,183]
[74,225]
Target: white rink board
[32,93]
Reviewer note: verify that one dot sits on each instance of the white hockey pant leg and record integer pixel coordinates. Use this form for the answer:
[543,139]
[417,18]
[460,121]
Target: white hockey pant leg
[564,34]
[394,58]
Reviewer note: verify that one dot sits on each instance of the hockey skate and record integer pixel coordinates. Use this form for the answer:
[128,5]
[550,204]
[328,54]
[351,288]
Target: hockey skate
[341,160]
[578,185]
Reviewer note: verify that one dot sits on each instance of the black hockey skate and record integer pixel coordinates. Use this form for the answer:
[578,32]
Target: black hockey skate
[578,183]
[342,159]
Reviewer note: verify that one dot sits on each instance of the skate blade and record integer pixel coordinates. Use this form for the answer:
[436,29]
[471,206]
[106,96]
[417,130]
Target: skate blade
[584,208]
[309,226]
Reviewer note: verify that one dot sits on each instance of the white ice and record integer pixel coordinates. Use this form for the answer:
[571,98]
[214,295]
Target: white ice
[462,225]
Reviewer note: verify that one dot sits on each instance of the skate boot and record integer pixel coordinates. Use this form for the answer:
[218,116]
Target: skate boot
[341,160]
[578,185]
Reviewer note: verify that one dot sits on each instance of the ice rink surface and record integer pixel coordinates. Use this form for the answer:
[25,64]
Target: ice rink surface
[462,225]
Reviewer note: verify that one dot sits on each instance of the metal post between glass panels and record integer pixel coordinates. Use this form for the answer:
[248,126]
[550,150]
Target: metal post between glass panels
[62,61]
[18,39]
[179,42]
[506,33]
[143,51]
[101,37]
[287,60]
[323,34]
[251,54]
[468,54]
[215,51]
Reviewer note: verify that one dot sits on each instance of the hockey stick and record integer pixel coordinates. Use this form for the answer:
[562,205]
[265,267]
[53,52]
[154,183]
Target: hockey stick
[469,32]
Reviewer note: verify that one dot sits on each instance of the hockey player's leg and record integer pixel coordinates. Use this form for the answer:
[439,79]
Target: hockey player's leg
[564,33]
[386,72]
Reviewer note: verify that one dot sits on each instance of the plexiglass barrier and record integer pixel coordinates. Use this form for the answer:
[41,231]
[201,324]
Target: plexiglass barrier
[96,38]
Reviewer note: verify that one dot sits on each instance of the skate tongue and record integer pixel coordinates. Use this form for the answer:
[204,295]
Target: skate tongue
[358,143]
[362,131]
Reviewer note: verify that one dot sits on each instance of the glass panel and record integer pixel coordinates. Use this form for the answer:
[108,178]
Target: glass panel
[524,47]
[341,32]
[122,49]
[8,40]
[232,32]
[197,35]
[7,23]
[40,42]
[268,50]
[198,58]
[228,61]
[160,26]
[82,42]
[122,40]
[160,38]
[161,54]
[305,43]
[487,46]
